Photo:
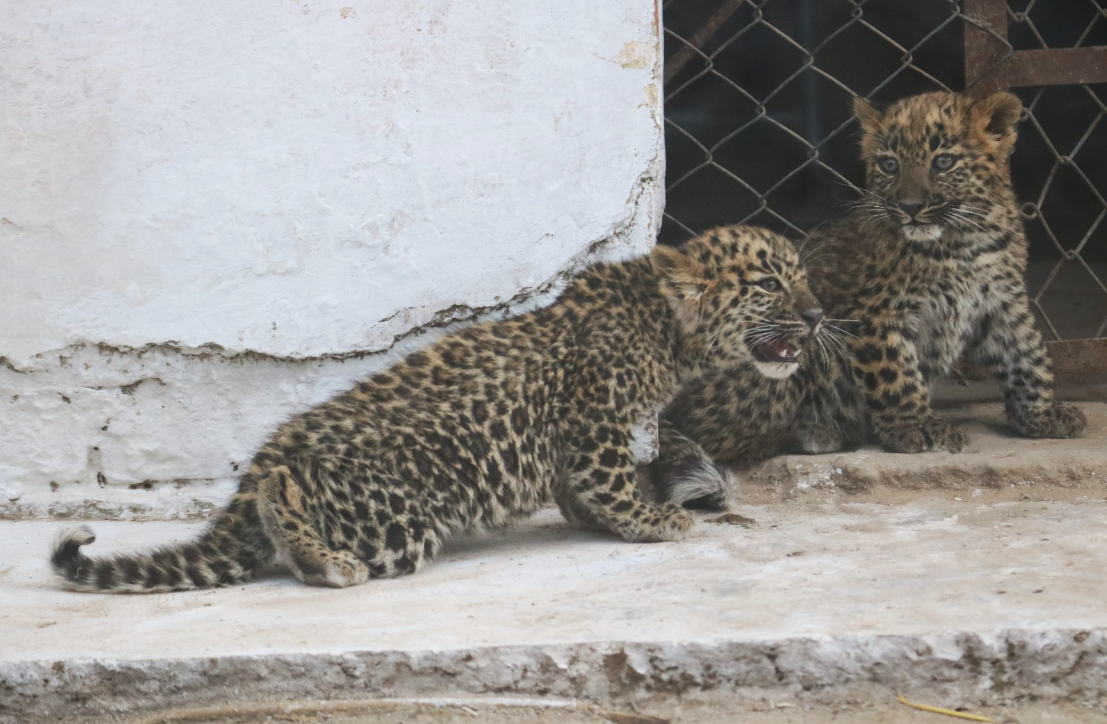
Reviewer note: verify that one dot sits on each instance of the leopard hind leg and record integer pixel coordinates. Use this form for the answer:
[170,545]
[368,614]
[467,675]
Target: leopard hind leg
[288,525]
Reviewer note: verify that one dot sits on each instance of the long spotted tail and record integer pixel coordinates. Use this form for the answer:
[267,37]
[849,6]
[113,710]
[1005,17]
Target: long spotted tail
[230,552]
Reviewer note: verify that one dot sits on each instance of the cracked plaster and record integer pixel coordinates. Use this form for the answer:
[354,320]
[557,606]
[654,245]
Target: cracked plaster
[206,237]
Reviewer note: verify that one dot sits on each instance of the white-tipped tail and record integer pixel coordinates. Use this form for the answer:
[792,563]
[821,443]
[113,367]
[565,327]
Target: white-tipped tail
[704,483]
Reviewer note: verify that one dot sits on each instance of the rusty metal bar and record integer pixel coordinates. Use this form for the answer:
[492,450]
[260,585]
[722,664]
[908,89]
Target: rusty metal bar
[985,46]
[1058,66]
[675,64]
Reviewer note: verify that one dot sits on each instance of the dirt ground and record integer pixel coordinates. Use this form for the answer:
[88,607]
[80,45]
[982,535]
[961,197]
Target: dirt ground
[446,711]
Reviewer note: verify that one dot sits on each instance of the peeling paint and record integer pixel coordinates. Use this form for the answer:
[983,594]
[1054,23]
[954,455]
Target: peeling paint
[448,318]
[637,55]
[263,222]
[7,364]
[165,419]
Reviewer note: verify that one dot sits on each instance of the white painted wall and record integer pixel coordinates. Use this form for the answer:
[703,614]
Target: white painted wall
[215,214]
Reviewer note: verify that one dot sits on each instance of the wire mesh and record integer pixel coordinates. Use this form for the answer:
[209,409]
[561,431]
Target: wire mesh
[759,128]
[1064,131]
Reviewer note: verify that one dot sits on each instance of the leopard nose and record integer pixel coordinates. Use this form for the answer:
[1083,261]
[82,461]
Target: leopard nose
[911,209]
[812,317]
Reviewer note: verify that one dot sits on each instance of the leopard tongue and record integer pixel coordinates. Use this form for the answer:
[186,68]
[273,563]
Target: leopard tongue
[783,350]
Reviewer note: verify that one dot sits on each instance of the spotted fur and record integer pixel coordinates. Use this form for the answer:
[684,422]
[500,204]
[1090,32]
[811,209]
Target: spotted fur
[787,315]
[488,424]
[926,270]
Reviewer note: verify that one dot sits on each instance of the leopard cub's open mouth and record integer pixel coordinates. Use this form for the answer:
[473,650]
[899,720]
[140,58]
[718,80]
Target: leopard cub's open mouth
[781,351]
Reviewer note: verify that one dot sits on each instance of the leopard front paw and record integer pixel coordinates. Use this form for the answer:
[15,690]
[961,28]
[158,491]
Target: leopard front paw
[1056,421]
[930,434]
[667,522]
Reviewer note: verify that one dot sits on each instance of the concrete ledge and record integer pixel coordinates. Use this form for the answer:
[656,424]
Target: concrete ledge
[997,465]
[964,668]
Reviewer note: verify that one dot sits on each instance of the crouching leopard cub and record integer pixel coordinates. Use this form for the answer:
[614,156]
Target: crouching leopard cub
[485,425]
[926,270]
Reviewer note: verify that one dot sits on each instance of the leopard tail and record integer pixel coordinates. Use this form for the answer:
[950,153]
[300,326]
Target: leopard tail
[230,551]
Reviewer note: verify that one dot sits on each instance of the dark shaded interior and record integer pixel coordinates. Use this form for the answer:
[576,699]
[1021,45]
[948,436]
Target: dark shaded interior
[740,131]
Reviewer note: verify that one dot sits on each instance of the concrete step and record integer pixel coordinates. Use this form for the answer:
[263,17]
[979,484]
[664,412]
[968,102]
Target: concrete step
[949,601]
[997,465]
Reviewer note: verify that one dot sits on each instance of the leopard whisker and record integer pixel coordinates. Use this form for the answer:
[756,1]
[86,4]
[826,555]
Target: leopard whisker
[760,329]
[838,343]
[965,221]
[824,351]
[839,329]
[762,338]
[711,345]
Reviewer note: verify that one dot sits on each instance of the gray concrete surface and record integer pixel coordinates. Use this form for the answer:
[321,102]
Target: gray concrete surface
[833,599]
[508,710]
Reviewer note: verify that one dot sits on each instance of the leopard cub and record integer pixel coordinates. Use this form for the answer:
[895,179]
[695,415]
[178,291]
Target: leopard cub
[487,424]
[928,269]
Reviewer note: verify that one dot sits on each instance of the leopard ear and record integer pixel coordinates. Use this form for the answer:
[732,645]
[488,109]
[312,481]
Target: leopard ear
[680,275]
[869,116]
[997,115]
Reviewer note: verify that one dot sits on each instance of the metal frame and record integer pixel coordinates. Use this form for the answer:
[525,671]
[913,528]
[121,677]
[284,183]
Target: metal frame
[992,65]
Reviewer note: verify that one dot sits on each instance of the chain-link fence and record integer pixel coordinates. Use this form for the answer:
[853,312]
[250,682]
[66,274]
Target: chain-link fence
[758,117]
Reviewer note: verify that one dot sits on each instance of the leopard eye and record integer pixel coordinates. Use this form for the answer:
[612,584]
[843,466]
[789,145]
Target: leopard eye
[944,161]
[887,164]
[769,284]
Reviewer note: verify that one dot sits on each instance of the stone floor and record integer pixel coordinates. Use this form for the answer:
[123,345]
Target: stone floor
[977,582]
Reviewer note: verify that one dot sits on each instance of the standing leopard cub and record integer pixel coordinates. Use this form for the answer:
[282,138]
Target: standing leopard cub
[483,426]
[928,269]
